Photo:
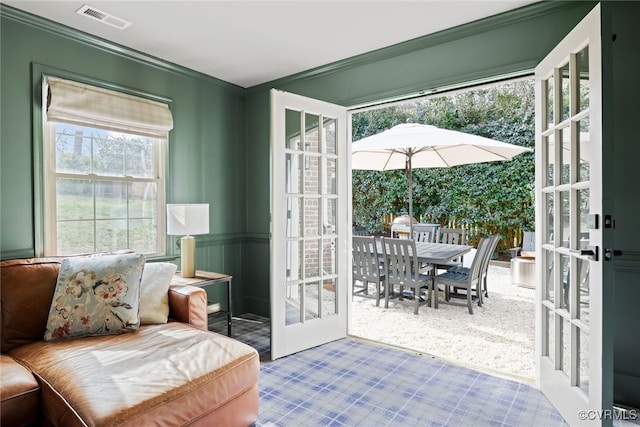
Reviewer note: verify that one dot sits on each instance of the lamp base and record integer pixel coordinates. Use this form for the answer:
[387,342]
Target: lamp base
[188,256]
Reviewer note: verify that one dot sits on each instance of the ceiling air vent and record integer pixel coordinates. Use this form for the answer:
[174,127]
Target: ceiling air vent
[105,18]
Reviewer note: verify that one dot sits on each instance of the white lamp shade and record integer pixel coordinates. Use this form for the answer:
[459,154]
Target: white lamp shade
[187,219]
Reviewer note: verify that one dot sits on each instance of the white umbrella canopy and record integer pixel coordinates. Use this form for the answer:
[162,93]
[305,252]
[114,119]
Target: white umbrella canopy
[413,145]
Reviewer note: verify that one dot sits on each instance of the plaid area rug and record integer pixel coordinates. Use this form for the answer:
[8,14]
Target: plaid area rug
[353,383]
[250,329]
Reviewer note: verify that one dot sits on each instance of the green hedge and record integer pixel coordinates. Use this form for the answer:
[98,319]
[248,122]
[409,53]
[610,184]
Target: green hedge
[485,198]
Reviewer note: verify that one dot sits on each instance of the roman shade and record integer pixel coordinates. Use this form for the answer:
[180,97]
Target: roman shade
[78,103]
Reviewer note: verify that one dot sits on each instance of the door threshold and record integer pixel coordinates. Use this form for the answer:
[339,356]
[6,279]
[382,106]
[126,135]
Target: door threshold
[489,371]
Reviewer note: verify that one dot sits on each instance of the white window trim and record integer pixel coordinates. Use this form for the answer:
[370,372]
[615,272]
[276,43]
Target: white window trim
[49,175]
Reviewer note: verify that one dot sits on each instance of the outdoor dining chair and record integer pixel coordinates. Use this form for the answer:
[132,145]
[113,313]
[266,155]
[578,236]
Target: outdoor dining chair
[425,232]
[403,271]
[359,230]
[470,282]
[452,236]
[366,267]
[422,236]
[484,268]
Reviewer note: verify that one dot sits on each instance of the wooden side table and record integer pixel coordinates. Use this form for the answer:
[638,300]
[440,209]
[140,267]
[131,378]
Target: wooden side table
[206,278]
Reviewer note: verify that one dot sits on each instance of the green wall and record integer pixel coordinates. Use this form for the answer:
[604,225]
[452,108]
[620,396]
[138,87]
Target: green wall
[621,151]
[206,147]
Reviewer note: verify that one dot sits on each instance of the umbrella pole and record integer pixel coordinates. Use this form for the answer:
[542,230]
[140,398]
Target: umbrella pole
[410,179]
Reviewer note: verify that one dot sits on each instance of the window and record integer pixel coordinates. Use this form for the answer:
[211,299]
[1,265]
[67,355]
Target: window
[104,175]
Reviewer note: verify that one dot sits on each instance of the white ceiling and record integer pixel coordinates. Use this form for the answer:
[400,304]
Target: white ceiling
[252,42]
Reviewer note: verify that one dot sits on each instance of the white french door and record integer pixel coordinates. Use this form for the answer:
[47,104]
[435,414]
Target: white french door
[309,223]
[569,295]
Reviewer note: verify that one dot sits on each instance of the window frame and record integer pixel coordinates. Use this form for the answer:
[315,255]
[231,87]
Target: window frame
[45,215]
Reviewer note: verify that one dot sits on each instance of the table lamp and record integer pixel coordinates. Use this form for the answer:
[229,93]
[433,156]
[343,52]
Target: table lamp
[187,220]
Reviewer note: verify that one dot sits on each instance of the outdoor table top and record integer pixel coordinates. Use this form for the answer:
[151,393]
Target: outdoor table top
[437,253]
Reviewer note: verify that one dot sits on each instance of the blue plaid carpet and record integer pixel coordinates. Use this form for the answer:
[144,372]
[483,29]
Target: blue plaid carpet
[250,329]
[352,383]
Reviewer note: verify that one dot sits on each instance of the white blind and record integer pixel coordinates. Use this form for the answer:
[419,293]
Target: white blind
[86,105]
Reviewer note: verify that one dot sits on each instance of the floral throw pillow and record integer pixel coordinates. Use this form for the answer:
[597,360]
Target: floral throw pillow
[96,296]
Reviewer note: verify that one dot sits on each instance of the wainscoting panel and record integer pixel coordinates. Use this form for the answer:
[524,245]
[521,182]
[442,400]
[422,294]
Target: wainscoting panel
[257,265]
[626,380]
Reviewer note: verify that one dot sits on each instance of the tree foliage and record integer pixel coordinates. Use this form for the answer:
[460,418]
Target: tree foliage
[484,198]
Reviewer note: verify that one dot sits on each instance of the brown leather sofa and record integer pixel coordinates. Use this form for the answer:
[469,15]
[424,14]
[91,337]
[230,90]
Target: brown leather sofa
[170,374]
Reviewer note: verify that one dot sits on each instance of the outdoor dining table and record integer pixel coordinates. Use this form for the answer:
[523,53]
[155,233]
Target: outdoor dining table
[436,253]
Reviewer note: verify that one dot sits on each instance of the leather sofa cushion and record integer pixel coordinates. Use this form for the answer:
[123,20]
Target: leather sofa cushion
[167,374]
[19,394]
[27,290]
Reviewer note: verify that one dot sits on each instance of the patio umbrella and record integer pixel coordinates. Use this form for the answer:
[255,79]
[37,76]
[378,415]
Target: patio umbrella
[412,145]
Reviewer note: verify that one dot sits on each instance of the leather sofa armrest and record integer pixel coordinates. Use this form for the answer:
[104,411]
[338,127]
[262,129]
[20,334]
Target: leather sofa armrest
[188,304]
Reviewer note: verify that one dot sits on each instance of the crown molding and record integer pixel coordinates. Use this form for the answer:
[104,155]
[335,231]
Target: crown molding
[58,29]
[410,46]
[451,34]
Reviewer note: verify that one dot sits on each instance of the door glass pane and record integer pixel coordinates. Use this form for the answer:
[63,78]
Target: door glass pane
[584,147]
[583,78]
[312,133]
[549,285]
[312,174]
[330,135]
[293,304]
[312,300]
[293,173]
[566,277]
[549,160]
[292,125]
[311,216]
[293,223]
[312,258]
[331,216]
[583,212]
[565,219]
[564,141]
[566,92]
[330,173]
[329,257]
[584,297]
[550,337]
[549,95]
[583,361]
[293,260]
[549,236]
[565,347]
[329,300]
